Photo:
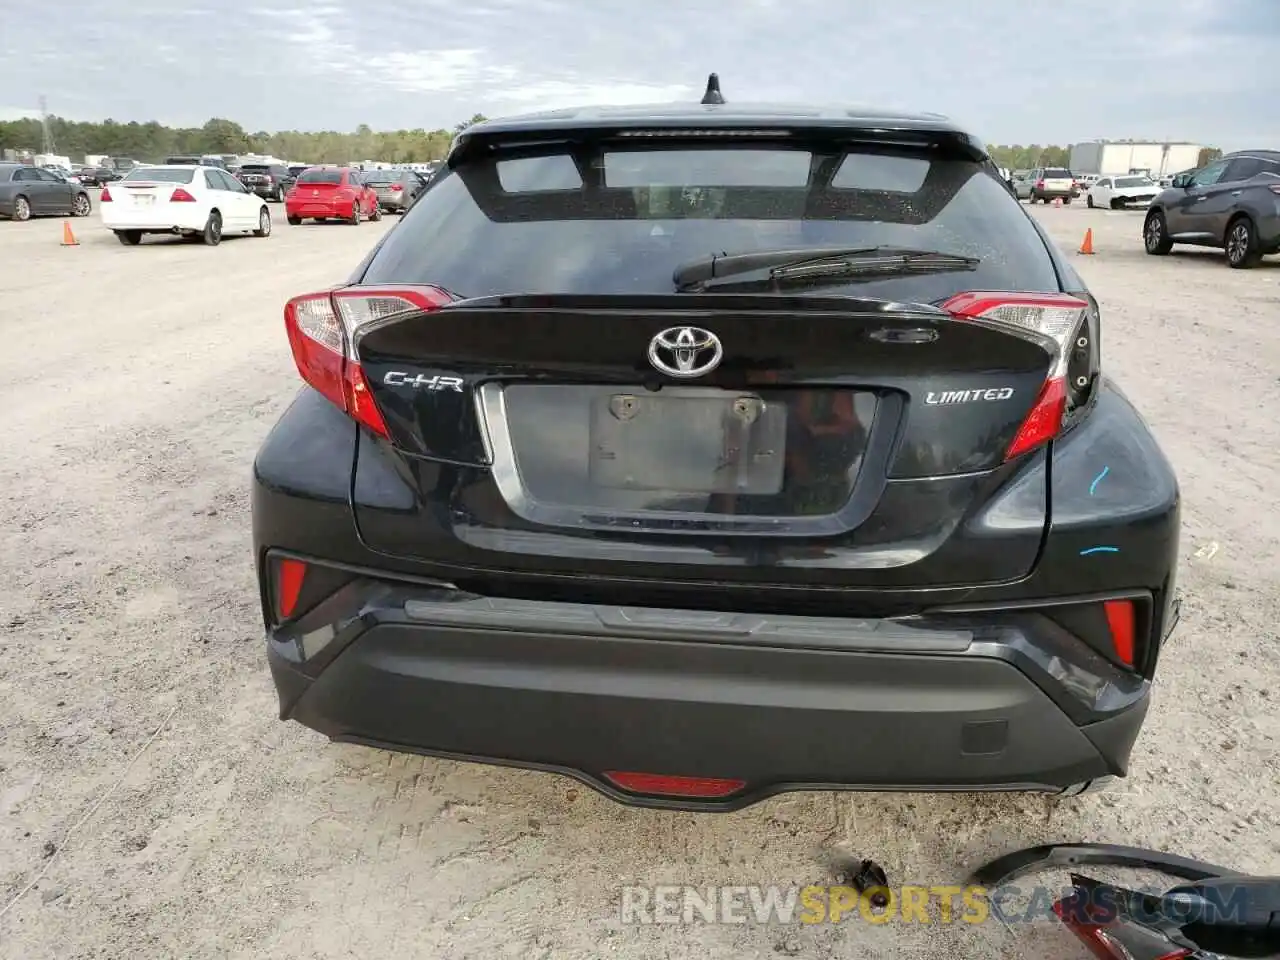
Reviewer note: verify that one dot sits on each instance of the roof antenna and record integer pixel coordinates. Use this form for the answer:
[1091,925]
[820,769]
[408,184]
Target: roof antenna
[713,94]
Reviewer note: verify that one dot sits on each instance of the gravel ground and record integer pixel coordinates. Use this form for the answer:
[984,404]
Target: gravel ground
[135,385]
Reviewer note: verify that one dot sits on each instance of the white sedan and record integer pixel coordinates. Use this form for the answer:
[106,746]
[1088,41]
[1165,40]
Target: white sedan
[202,203]
[1120,192]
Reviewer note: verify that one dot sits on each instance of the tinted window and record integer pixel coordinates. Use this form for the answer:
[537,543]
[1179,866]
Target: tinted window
[1243,168]
[255,168]
[1210,174]
[6,174]
[294,171]
[25,173]
[177,160]
[477,235]
[321,176]
[1057,173]
[160,174]
[1133,182]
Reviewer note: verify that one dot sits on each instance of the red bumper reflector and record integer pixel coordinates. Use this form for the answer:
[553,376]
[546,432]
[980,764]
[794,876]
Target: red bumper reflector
[660,785]
[289,579]
[1120,621]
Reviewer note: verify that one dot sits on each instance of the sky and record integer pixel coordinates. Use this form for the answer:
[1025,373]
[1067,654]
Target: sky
[1013,71]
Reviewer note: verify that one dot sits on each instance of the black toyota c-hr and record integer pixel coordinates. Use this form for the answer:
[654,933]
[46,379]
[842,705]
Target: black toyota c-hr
[711,451]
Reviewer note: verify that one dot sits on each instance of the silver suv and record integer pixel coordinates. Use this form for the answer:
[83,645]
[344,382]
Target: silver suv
[1047,183]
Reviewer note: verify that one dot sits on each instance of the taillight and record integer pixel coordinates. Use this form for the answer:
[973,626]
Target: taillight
[1039,184]
[396,188]
[1117,939]
[106,195]
[322,329]
[1056,321]
[180,195]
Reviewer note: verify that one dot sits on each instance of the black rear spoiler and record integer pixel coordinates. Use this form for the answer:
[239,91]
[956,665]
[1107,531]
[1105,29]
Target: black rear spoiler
[821,133]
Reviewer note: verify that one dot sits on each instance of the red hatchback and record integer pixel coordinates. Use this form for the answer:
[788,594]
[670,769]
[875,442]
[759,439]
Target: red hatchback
[331,193]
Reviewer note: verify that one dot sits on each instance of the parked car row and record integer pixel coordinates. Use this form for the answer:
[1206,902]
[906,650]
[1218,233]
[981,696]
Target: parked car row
[345,193]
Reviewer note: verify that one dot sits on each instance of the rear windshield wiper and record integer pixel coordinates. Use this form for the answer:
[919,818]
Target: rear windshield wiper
[816,263]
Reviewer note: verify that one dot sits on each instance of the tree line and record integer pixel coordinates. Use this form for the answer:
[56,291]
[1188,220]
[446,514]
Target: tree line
[152,142]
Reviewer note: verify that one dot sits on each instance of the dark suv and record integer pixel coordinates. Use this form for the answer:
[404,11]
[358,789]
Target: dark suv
[269,180]
[713,451]
[1232,204]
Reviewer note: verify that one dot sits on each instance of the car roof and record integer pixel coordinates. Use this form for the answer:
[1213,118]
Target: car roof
[756,116]
[1261,154]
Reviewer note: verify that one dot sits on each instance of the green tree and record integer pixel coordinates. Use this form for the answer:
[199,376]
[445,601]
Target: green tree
[152,142]
[224,136]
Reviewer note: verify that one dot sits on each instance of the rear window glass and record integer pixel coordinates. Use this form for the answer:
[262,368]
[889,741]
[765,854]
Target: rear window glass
[191,160]
[255,168]
[381,176]
[160,174]
[529,224]
[1057,173]
[1132,182]
[321,176]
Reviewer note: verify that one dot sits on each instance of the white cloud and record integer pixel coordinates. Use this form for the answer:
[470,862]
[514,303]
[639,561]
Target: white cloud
[1177,68]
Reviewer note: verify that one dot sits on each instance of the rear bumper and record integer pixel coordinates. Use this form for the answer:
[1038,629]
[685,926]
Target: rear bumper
[989,701]
[334,210]
[162,220]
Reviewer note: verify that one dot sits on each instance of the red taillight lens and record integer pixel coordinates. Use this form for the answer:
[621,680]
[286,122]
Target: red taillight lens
[1053,320]
[396,188]
[181,196]
[289,577]
[106,195]
[667,786]
[1115,941]
[1039,184]
[1122,624]
[322,328]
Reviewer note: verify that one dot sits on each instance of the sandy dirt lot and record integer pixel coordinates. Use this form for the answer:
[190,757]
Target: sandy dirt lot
[135,385]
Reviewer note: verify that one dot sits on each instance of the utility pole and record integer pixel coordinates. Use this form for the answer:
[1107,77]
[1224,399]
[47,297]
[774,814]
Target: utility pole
[47,145]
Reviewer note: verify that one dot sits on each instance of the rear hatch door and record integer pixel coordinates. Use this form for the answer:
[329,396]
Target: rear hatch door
[849,432]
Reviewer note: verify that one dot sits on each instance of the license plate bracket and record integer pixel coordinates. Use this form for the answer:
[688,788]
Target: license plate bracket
[688,440]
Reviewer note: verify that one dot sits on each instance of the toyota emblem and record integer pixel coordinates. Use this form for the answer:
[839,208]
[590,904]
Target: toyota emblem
[685,352]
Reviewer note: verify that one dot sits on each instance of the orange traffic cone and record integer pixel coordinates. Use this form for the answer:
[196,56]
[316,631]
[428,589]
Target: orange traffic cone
[68,238]
[1087,246]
